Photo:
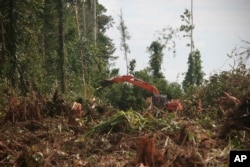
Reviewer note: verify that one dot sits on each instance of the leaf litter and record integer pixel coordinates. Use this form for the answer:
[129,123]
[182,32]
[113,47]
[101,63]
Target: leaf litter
[36,132]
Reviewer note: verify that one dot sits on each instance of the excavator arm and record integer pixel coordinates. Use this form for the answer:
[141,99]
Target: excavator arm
[134,81]
[158,100]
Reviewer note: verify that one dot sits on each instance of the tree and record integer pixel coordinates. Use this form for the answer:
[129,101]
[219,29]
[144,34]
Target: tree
[156,59]
[132,65]
[41,45]
[60,50]
[22,27]
[188,27]
[124,37]
[194,75]
[81,31]
[93,56]
[50,43]
[95,22]
[167,38]
[11,40]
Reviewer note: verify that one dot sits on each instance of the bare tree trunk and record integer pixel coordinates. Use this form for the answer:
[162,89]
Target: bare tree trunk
[124,37]
[84,19]
[77,21]
[79,35]
[82,54]
[83,75]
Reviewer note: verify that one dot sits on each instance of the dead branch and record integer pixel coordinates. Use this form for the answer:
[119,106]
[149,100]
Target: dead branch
[232,98]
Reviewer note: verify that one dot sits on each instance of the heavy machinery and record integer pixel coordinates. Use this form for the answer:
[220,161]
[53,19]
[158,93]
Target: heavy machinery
[158,100]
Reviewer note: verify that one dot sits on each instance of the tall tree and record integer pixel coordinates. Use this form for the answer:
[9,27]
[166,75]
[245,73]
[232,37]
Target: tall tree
[22,28]
[95,22]
[84,30]
[95,54]
[44,33]
[50,43]
[60,50]
[11,43]
[124,37]
[194,75]
[156,58]
[81,31]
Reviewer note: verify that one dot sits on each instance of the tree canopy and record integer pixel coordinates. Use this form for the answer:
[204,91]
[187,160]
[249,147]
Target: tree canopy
[51,45]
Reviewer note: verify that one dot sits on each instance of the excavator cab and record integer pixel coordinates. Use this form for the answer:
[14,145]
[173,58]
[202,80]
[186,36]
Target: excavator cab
[160,101]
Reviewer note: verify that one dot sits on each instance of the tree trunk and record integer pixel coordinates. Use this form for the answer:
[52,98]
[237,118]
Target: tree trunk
[11,44]
[81,52]
[77,20]
[95,22]
[61,45]
[84,19]
[3,51]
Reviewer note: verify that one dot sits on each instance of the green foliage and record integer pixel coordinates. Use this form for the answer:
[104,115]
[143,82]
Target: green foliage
[132,65]
[194,75]
[174,91]
[167,37]
[32,61]
[22,23]
[156,58]
[186,18]
[130,120]
[235,82]
[188,27]
[124,96]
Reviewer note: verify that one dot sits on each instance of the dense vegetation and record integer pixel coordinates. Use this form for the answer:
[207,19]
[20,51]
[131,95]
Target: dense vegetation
[53,52]
[49,45]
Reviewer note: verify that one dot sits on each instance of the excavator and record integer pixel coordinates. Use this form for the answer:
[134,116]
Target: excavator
[158,100]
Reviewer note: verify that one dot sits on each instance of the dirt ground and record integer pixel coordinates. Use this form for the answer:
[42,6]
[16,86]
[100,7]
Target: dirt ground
[34,137]
[52,142]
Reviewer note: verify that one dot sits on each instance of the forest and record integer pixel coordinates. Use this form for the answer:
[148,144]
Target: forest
[54,58]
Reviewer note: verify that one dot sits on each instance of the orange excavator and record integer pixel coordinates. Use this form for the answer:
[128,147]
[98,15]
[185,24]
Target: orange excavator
[158,100]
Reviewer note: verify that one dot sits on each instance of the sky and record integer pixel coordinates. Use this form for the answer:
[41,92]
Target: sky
[220,26]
